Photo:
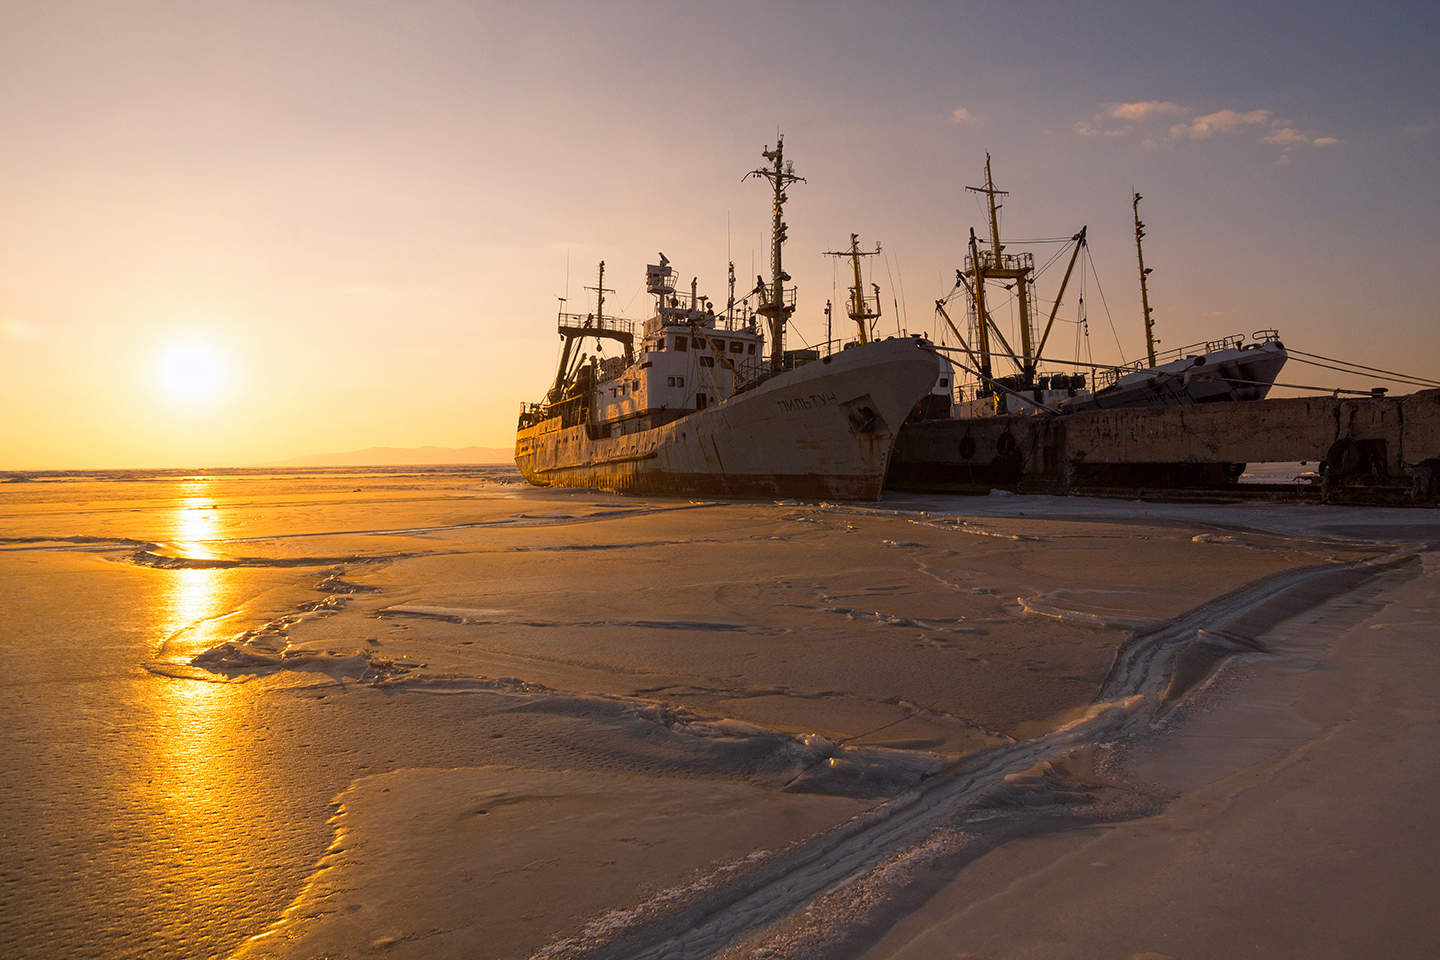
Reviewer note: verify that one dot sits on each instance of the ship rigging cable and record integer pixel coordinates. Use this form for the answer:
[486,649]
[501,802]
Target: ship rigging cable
[1301,386]
[1385,374]
[1090,260]
[1043,240]
[1048,263]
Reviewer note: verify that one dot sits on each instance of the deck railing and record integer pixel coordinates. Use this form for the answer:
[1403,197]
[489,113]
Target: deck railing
[588,321]
[1106,378]
[1007,261]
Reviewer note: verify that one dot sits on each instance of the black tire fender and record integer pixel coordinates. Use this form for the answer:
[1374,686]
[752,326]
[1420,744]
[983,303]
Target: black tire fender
[1343,458]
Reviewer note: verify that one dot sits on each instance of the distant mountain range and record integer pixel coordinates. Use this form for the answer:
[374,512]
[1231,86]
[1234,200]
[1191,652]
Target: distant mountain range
[400,457]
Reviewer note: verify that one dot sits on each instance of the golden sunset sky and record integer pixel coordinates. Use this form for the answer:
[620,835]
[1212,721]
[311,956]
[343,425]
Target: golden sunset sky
[233,233]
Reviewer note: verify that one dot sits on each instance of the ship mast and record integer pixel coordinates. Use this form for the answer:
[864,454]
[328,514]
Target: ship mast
[1144,289]
[730,304]
[982,316]
[859,303]
[600,291]
[990,194]
[773,306]
[997,265]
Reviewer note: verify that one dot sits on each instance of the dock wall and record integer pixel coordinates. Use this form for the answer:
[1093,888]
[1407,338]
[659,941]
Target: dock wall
[1368,450]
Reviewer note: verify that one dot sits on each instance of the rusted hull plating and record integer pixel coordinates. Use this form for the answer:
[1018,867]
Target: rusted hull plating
[822,431]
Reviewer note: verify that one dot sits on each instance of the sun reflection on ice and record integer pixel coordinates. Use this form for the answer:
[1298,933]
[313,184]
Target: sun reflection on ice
[194,521]
[198,719]
[204,798]
[199,598]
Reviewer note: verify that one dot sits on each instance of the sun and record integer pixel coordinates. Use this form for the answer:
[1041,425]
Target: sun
[190,371]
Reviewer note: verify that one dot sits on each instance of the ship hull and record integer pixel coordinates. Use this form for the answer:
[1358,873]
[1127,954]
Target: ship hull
[1222,377]
[823,430]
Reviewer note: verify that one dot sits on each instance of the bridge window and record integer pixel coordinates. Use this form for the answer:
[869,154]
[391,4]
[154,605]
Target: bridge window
[669,381]
[680,342]
[679,381]
[707,361]
[737,347]
[751,351]
[699,344]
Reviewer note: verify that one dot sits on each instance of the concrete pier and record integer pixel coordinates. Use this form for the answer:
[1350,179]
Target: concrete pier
[1371,450]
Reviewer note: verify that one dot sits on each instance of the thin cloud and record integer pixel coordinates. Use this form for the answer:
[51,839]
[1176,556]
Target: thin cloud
[1142,111]
[1119,119]
[961,115]
[1221,121]
[1103,124]
[1286,136]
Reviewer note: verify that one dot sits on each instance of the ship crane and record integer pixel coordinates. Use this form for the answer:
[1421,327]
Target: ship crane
[1015,272]
[995,264]
[1079,241]
[573,328]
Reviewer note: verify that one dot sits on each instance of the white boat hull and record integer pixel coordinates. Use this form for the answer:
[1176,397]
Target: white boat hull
[822,430]
[1241,373]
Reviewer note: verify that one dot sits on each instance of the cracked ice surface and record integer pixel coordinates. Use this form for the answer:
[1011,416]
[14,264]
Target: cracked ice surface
[354,710]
